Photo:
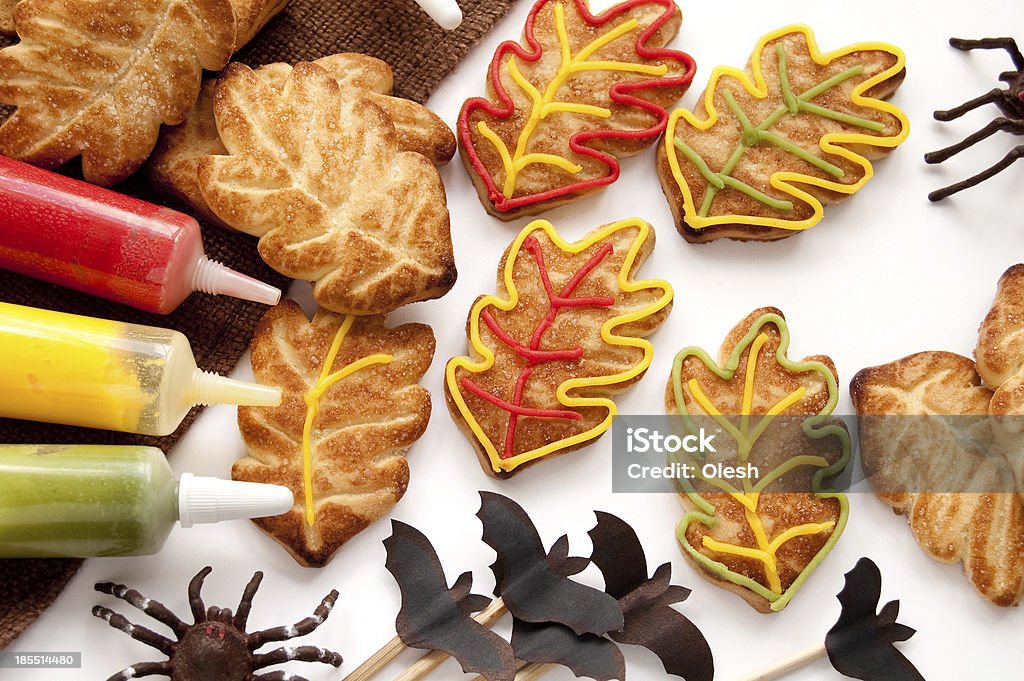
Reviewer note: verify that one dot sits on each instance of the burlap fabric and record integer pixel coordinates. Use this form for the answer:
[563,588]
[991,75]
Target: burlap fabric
[420,53]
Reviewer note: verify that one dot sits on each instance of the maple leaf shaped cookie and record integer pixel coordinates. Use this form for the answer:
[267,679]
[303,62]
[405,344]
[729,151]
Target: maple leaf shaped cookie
[174,164]
[770,145]
[316,172]
[583,91]
[564,333]
[97,78]
[958,480]
[762,537]
[350,408]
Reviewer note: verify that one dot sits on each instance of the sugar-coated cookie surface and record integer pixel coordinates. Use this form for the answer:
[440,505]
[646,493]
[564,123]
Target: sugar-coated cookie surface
[98,78]
[564,333]
[316,171]
[577,92]
[351,407]
[761,537]
[768,147]
[174,164]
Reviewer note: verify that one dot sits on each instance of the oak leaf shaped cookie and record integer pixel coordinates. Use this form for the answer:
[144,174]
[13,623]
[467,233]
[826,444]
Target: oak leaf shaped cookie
[564,333]
[98,78]
[916,457]
[583,91]
[761,537]
[770,145]
[350,408]
[316,172]
[174,164]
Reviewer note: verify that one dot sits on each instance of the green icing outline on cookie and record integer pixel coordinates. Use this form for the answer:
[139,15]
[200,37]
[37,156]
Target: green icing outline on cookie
[812,427]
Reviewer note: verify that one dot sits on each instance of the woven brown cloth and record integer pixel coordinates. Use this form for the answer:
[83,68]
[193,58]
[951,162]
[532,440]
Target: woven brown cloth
[219,328]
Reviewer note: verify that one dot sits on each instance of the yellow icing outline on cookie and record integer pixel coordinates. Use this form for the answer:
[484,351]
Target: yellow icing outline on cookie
[625,284]
[543,104]
[312,399]
[829,143]
[814,426]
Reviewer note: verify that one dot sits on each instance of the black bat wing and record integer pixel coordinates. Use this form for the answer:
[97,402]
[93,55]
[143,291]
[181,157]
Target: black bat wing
[860,645]
[525,580]
[588,656]
[677,642]
[618,554]
[432,616]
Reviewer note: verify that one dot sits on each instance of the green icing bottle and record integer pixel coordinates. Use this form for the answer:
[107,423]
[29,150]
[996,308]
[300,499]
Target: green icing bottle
[100,500]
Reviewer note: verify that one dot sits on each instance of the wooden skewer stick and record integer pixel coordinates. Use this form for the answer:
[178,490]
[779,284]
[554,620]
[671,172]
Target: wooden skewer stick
[786,665]
[393,648]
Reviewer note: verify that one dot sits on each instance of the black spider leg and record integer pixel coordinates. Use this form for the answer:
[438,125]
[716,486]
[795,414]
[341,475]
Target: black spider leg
[1007,161]
[990,97]
[195,599]
[1007,44]
[143,669]
[147,636]
[300,628]
[245,605]
[157,611]
[1001,123]
[278,676]
[300,653]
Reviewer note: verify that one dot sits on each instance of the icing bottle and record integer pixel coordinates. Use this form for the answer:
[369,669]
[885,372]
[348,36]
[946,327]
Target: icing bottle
[100,500]
[82,371]
[88,238]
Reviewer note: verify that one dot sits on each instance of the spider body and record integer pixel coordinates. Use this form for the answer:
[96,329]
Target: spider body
[1009,101]
[216,646]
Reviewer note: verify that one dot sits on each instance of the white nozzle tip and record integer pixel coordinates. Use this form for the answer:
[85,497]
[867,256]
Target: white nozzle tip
[210,388]
[445,12]
[215,278]
[210,500]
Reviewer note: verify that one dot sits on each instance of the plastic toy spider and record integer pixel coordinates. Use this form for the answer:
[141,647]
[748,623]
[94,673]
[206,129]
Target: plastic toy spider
[216,646]
[1010,101]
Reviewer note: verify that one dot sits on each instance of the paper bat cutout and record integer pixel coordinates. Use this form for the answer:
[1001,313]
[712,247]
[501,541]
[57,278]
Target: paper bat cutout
[526,581]
[588,656]
[435,617]
[860,645]
[646,602]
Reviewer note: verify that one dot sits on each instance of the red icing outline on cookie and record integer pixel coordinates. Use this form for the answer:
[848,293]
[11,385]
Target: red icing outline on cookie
[619,94]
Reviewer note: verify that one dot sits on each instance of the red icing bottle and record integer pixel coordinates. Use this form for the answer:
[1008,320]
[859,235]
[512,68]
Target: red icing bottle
[107,244]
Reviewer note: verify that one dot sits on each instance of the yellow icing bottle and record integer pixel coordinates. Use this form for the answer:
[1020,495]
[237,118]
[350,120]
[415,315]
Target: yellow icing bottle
[64,368]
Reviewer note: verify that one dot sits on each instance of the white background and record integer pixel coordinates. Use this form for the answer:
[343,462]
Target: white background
[884,275]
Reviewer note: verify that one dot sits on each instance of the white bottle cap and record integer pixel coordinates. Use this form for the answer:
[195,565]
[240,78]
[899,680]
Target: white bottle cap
[210,276]
[209,500]
[445,12]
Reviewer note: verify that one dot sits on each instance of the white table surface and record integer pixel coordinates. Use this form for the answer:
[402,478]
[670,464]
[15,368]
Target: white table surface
[884,275]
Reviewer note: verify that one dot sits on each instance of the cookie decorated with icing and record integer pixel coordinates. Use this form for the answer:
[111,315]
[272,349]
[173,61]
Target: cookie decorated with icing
[769,147]
[351,406]
[761,536]
[564,333]
[174,165]
[577,93]
[317,172]
[962,491]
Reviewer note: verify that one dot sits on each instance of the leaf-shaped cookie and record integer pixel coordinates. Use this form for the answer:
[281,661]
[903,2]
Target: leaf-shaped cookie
[583,91]
[768,146]
[761,539]
[7,16]
[97,78]
[174,165]
[921,458]
[351,407]
[316,172]
[563,335]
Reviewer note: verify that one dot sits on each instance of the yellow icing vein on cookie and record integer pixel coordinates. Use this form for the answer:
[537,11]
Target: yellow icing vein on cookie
[312,399]
[608,336]
[831,143]
[543,104]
